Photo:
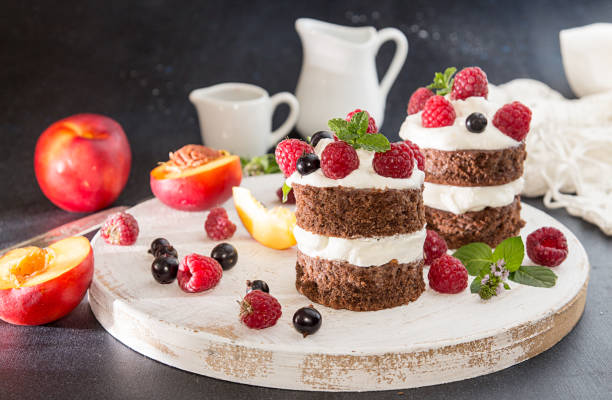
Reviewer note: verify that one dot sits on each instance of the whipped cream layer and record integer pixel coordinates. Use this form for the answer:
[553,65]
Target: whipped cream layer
[456,136]
[461,199]
[362,252]
[363,177]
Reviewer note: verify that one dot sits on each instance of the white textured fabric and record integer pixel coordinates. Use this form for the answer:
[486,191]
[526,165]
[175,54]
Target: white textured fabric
[569,149]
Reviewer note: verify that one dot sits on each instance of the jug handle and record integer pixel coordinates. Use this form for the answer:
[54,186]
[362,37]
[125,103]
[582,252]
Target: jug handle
[294,109]
[401,51]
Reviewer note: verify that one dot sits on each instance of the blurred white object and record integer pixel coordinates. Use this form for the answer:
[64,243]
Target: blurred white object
[339,72]
[237,117]
[587,56]
[569,149]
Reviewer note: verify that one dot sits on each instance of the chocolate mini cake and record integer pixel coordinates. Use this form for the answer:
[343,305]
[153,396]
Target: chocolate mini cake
[474,156]
[360,238]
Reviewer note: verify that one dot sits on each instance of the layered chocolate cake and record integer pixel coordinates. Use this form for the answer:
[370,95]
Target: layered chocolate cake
[474,153]
[360,236]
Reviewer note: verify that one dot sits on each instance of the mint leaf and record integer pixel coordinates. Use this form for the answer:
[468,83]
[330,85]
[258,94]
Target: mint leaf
[534,275]
[373,142]
[360,121]
[512,251]
[475,286]
[338,125]
[286,189]
[475,256]
[260,165]
[443,82]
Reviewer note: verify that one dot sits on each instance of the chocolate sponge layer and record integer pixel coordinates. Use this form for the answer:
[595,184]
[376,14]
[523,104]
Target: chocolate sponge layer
[340,285]
[350,213]
[491,225]
[474,167]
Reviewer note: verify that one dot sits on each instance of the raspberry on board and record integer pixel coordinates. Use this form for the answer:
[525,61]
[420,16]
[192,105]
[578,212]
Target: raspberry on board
[198,273]
[447,275]
[438,112]
[120,229]
[513,120]
[259,310]
[287,153]
[470,82]
[218,225]
[547,246]
[396,162]
[338,159]
[417,154]
[372,128]
[434,247]
[418,99]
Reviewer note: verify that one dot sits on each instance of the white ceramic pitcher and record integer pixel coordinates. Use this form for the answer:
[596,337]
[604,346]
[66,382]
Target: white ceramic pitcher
[339,72]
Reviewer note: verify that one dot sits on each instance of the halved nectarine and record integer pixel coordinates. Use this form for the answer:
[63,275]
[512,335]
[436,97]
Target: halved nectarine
[270,227]
[38,286]
[196,178]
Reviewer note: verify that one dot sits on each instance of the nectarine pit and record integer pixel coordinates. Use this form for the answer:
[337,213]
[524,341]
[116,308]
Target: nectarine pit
[193,155]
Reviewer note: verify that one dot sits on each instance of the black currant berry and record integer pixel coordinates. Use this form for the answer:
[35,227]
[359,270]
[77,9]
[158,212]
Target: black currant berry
[164,269]
[314,139]
[225,254]
[257,285]
[307,164]
[157,243]
[307,320]
[476,122]
[165,251]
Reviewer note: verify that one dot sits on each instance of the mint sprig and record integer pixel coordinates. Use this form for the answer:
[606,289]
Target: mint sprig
[443,82]
[260,165]
[354,132]
[491,267]
[285,189]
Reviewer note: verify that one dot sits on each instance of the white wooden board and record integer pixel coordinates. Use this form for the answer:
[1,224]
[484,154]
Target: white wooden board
[439,338]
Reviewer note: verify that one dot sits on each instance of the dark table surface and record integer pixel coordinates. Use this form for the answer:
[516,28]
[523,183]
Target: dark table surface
[137,61]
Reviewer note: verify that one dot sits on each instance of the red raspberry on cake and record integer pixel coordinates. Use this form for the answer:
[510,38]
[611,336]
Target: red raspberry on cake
[470,82]
[287,153]
[447,275]
[338,159]
[438,112]
[120,229]
[396,162]
[513,120]
[417,154]
[198,273]
[218,226]
[259,310]
[547,246]
[371,123]
[418,99]
[434,247]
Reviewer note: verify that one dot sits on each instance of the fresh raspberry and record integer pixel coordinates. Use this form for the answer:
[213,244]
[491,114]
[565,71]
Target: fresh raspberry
[396,162]
[287,153]
[470,82]
[338,159]
[547,246]
[513,120]
[437,112]
[198,273]
[435,246]
[259,310]
[418,99]
[218,226]
[120,229]
[447,275]
[371,123]
[290,196]
[417,154]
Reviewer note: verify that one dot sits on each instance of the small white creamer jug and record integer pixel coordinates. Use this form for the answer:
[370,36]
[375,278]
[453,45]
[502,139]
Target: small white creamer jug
[339,72]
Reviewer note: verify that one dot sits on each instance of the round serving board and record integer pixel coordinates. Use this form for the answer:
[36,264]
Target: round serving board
[439,338]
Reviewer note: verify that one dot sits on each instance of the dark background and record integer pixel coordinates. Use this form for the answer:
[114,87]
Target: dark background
[137,61]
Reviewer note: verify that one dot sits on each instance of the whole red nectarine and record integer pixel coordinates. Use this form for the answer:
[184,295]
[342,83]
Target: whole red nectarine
[82,162]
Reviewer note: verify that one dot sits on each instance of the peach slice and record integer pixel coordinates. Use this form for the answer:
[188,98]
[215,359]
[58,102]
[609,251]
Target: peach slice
[271,227]
[38,286]
[196,186]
